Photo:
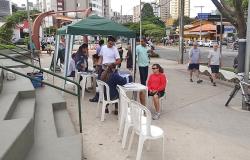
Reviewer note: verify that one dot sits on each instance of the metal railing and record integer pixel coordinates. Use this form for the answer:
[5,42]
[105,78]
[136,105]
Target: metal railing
[51,85]
[31,58]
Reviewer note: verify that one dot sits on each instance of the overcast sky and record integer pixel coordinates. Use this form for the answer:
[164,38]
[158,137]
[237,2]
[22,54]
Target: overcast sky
[129,4]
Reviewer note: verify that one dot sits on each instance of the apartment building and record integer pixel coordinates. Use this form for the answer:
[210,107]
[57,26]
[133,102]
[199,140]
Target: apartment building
[175,7]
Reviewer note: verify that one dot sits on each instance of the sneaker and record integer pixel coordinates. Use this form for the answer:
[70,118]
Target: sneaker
[156,116]
[199,81]
[211,79]
[106,110]
[214,84]
[191,80]
[93,100]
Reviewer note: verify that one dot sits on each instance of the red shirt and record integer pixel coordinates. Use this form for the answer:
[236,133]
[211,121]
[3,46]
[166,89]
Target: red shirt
[157,82]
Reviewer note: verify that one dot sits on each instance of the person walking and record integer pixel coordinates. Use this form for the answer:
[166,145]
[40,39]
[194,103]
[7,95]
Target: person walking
[194,62]
[214,62]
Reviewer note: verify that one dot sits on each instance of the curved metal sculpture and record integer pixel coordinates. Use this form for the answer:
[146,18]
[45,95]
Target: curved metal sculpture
[38,21]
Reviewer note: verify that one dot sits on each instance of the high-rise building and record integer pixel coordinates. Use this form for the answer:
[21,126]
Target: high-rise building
[99,7]
[5,8]
[156,8]
[164,9]
[175,7]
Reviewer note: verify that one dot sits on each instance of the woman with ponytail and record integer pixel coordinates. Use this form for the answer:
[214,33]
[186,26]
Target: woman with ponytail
[112,78]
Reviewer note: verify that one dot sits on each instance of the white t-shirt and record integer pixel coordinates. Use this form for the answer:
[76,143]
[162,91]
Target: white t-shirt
[109,55]
[72,66]
[214,57]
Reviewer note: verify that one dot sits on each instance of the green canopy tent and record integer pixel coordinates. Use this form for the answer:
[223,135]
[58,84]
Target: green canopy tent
[92,25]
[95,25]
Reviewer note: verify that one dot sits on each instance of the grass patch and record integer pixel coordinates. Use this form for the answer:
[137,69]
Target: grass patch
[228,69]
[6,46]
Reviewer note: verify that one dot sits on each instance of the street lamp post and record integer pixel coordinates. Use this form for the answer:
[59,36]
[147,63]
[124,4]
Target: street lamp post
[30,37]
[140,22]
[181,30]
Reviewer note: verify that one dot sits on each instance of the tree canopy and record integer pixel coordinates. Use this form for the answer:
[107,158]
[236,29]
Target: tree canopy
[186,20]
[147,12]
[6,30]
[234,11]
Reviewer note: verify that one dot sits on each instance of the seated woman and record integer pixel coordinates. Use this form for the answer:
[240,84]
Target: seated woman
[112,78]
[72,66]
[156,87]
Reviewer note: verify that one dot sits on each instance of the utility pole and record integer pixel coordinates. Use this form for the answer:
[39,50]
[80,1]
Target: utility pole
[221,34]
[247,55]
[140,22]
[200,19]
[30,37]
[181,29]
[121,15]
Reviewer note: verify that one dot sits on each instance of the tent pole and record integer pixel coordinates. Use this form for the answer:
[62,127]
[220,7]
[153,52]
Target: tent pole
[66,57]
[55,55]
[133,45]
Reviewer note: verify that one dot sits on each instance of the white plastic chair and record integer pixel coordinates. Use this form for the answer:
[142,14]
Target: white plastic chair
[101,86]
[145,131]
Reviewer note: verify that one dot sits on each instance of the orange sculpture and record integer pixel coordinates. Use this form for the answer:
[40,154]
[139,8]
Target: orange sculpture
[38,21]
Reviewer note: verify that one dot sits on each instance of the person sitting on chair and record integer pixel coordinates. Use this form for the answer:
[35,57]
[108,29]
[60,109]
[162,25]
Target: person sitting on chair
[72,66]
[156,87]
[112,78]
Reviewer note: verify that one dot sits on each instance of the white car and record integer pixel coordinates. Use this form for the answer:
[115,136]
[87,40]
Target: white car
[210,43]
[200,43]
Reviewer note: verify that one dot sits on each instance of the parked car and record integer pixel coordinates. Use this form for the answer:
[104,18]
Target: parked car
[190,42]
[210,43]
[200,42]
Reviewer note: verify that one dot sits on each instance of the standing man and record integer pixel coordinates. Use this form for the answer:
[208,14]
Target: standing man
[194,62]
[214,62]
[109,54]
[142,54]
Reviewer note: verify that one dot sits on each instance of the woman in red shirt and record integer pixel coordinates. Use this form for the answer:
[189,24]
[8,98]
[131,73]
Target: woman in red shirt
[156,87]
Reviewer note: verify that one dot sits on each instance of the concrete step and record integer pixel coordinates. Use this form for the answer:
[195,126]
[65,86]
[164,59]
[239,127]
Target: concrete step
[16,138]
[17,108]
[11,64]
[55,135]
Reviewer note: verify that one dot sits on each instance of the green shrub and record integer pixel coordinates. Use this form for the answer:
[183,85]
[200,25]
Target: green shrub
[5,46]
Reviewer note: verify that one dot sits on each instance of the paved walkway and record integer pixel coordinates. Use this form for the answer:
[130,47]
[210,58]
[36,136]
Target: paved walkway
[196,123]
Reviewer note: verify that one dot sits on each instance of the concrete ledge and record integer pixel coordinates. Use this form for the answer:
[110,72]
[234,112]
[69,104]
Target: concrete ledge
[17,137]
[223,75]
[1,79]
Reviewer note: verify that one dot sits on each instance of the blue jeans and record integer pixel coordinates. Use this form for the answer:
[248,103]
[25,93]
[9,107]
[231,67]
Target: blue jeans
[143,74]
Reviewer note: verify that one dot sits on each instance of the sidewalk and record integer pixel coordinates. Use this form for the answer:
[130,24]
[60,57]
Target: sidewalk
[196,123]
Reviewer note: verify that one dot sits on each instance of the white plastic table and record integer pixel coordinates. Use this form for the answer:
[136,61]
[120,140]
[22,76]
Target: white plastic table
[136,87]
[85,75]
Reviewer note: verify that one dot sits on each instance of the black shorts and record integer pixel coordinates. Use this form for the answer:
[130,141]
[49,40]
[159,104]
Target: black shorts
[159,93]
[215,68]
[194,66]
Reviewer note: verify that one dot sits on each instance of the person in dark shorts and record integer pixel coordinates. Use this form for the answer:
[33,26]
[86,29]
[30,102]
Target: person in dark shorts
[156,87]
[194,60]
[214,62]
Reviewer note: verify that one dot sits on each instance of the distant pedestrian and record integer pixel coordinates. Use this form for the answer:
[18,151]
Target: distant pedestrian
[194,62]
[129,58]
[214,62]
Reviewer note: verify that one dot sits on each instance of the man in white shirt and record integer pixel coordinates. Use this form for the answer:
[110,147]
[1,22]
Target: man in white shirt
[109,54]
[214,62]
